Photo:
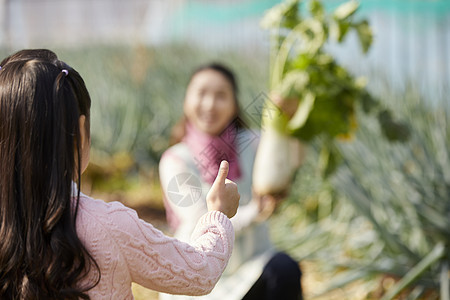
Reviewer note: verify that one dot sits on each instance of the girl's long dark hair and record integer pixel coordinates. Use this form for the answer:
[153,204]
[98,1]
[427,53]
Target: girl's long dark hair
[41,256]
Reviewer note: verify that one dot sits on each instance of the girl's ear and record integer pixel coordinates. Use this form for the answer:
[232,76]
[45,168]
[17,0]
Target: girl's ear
[83,133]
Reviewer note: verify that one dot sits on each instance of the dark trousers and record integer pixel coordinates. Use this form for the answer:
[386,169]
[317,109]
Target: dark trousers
[280,280]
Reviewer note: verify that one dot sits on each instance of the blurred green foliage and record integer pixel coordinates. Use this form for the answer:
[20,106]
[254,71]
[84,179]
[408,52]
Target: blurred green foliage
[385,211]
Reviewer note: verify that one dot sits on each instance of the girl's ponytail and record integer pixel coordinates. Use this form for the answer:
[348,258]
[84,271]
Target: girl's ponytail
[41,256]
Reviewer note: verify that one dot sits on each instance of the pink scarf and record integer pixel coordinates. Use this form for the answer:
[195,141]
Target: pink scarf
[209,151]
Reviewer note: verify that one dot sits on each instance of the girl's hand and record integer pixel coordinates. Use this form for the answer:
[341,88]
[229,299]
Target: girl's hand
[223,195]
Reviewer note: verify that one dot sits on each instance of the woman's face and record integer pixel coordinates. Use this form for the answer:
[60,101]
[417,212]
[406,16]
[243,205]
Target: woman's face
[210,103]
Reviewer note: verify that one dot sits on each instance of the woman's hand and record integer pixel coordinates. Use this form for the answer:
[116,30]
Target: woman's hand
[223,195]
[267,204]
[286,105]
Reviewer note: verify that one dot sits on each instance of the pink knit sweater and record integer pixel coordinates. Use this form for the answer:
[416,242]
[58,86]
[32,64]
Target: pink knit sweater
[128,250]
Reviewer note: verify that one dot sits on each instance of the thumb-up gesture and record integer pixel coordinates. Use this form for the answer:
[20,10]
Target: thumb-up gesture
[223,195]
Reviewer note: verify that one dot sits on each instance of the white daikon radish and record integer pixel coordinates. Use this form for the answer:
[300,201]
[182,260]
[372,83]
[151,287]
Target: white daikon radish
[278,155]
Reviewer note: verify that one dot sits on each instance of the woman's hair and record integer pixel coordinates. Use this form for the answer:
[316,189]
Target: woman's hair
[41,256]
[178,130]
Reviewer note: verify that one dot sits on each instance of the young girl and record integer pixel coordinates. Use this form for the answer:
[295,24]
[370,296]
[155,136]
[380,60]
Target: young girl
[209,131]
[57,243]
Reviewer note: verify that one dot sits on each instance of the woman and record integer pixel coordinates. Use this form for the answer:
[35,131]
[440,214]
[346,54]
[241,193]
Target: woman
[209,131]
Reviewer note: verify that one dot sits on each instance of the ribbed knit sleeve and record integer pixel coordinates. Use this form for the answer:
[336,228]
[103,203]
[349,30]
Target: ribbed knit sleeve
[129,249]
